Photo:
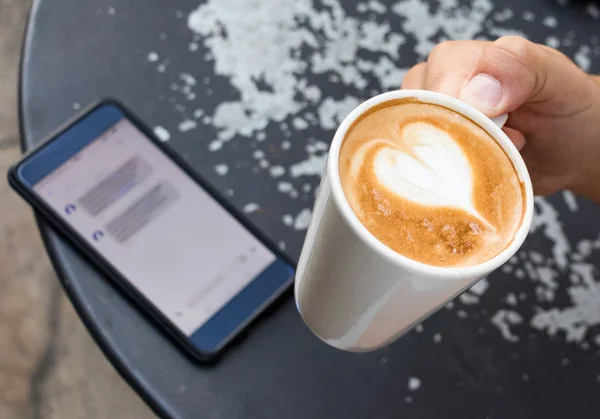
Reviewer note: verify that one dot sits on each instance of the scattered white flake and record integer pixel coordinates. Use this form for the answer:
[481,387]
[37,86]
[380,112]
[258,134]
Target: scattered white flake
[584,249]
[221,169]
[332,112]
[408,399]
[313,166]
[188,79]
[263,163]
[281,245]
[299,123]
[519,273]
[450,305]
[187,125]
[480,287]
[285,187]
[161,133]
[282,41]
[593,10]
[546,275]
[448,19]
[161,68]
[215,145]
[437,338]
[76,106]
[303,219]
[468,299]
[574,321]
[547,219]
[565,361]
[179,14]
[306,187]
[414,383]
[277,171]
[544,294]
[536,257]
[570,200]
[288,220]
[317,146]
[462,314]
[261,136]
[162,36]
[503,15]
[377,7]
[550,21]
[503,320]
[511,299]
[152,57]
[582,57]
[251,207]
[258,154]
[198,113]
[193,46]
[387,71]
[528,16]
[525,377]
[112,10]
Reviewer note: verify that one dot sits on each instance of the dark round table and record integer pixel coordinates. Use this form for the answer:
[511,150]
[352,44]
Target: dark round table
[250,92]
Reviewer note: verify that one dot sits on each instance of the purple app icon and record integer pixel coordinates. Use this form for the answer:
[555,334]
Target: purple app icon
[70,209]
[97,235]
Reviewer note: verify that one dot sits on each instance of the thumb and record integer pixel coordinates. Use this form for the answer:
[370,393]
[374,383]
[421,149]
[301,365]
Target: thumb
[512,71]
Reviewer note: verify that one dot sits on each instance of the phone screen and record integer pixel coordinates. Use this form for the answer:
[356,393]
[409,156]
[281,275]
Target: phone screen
[172,241]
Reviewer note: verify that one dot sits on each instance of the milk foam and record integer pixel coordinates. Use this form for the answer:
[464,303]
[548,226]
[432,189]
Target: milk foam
[426,166]
[430,184]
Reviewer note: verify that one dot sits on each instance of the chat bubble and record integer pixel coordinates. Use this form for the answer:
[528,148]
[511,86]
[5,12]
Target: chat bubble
[139,214]
[114,186]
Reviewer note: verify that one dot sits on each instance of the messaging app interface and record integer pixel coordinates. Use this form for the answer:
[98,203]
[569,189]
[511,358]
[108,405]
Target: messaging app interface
[173,242]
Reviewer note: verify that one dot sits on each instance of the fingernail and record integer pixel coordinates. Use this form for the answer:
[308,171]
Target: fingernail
[482,91]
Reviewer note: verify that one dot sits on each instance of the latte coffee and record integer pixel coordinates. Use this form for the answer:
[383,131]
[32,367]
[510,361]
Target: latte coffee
[431,184]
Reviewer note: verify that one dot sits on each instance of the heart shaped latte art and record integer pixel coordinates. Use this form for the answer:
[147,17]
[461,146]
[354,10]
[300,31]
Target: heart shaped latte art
[428,167]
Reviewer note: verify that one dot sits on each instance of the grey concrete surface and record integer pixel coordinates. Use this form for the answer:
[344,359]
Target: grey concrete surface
[49,365]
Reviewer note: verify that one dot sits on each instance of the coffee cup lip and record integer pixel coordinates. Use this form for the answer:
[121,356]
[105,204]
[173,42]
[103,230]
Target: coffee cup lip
[449,273]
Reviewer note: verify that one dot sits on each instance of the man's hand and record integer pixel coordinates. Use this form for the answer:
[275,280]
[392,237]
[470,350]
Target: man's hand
[553,106]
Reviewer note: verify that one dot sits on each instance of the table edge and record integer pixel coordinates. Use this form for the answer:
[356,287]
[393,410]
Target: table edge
[49,237]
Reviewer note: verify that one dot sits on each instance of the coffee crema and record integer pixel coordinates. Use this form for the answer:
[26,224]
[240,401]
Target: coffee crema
[431,184]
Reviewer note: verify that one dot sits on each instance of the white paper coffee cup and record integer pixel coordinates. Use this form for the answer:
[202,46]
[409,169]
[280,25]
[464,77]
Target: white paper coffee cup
[357,294]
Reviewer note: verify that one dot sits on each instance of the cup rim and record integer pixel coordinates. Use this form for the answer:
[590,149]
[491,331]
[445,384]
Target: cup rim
[449,273]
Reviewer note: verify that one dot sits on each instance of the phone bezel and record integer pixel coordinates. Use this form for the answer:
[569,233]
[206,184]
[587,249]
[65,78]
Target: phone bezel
[106,268]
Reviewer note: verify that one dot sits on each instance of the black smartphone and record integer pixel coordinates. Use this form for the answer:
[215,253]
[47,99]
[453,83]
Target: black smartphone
[161,233]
